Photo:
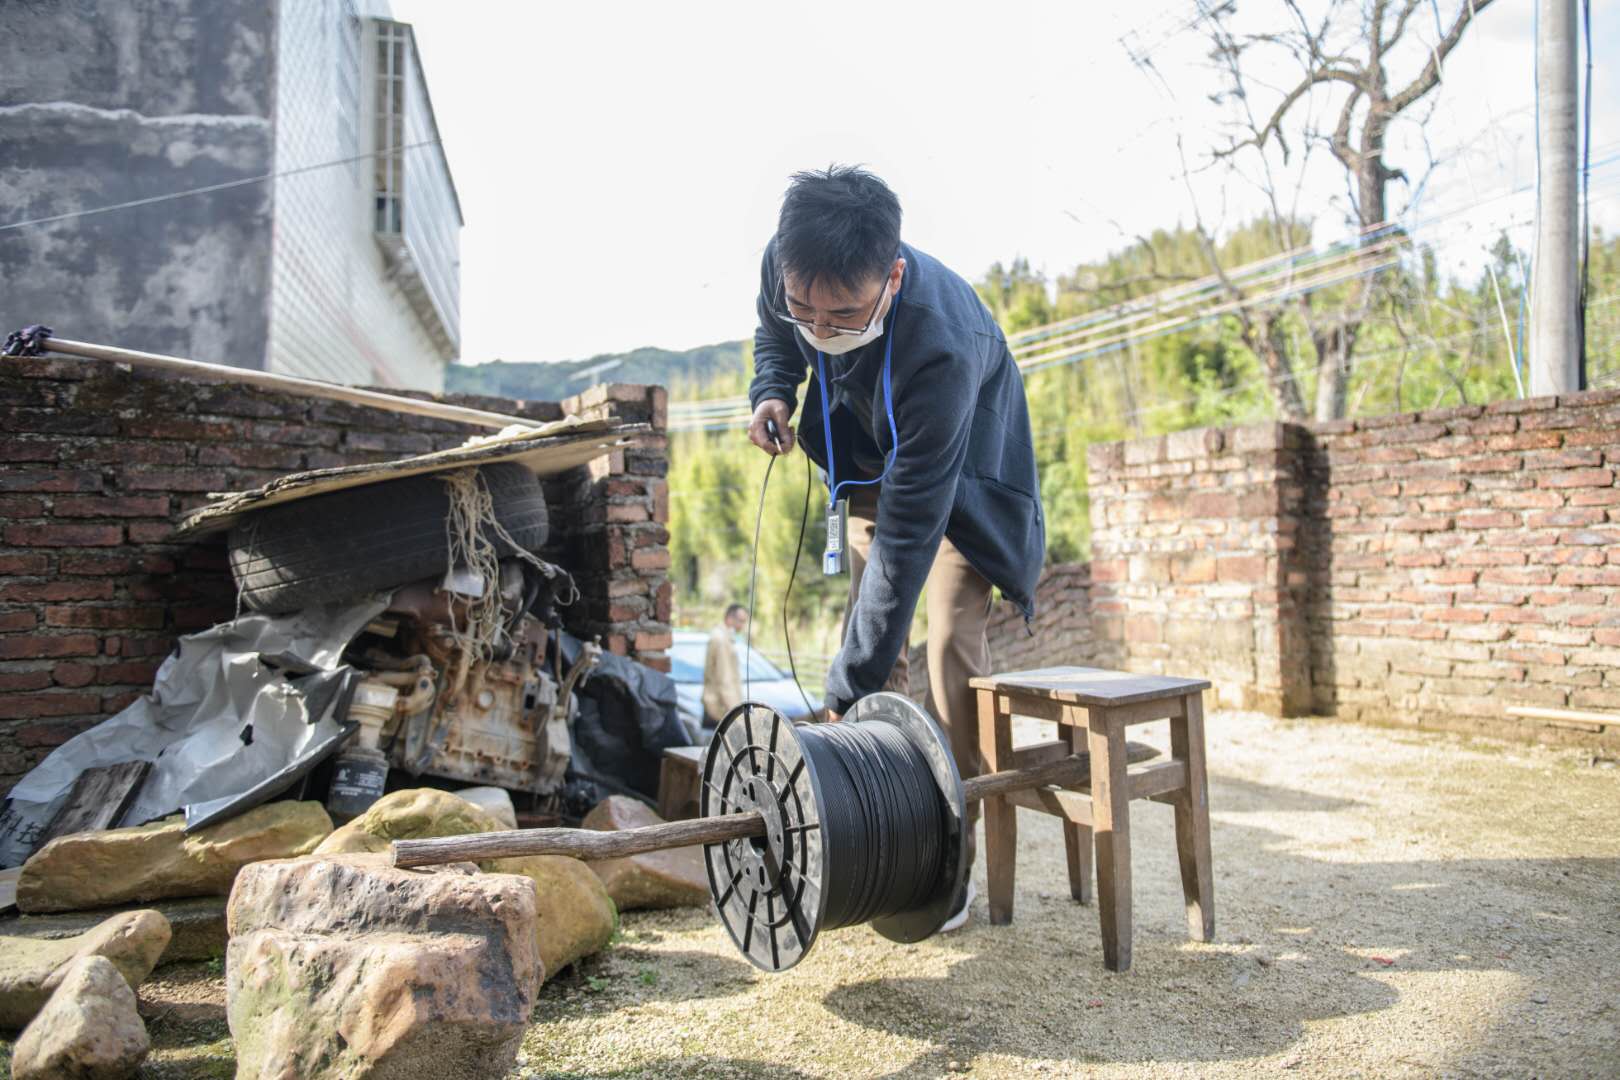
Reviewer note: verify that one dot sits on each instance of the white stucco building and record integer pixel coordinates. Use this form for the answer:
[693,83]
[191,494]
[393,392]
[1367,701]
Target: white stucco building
[242,182]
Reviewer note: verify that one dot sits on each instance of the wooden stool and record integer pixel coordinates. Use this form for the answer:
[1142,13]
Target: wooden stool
[680,778]
[1092,708]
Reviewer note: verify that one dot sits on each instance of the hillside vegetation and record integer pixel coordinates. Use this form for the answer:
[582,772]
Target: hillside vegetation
[1428,341]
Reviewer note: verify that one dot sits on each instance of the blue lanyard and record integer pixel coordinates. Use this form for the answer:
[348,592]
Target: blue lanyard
[833,483]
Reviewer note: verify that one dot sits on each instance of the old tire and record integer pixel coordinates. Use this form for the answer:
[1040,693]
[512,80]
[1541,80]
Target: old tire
[344,544]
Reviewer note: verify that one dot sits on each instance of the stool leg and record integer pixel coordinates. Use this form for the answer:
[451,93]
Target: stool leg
[1192,820]
[678,784]
[1111,829]
[1000,822]
[1077,838]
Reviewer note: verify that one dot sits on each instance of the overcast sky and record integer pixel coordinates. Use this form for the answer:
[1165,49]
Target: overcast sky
[620,165]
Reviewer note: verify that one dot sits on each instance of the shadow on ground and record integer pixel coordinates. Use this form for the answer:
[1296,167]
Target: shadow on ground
[1305,940]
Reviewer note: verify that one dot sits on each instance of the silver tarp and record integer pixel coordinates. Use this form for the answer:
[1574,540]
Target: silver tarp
[231,708]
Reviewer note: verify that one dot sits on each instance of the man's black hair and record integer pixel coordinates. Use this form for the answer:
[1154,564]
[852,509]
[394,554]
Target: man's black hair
[841,225]
[734,609]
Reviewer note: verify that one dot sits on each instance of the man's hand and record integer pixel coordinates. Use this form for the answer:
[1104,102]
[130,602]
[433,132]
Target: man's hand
[777,410]
[833,718]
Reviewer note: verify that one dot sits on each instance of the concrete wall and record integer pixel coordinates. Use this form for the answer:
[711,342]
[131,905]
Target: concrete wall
[135,99]
[97,464]
[335,312]
[107,101]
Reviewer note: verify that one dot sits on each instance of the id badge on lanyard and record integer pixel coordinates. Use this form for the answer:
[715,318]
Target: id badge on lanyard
[832,559]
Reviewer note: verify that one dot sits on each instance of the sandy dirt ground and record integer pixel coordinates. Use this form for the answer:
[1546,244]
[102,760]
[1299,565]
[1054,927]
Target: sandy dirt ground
[1387,904]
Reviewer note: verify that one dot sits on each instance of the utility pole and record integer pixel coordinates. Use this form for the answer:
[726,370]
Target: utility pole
[1555,361]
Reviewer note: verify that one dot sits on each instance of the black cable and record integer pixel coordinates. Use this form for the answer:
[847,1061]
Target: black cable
[753,579]
[753,576]
[883,825]
[787,596]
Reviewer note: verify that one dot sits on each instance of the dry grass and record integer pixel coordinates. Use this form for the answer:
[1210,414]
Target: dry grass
[1388,904]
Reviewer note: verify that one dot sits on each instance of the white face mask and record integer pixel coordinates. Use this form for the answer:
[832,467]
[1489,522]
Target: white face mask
[839,344]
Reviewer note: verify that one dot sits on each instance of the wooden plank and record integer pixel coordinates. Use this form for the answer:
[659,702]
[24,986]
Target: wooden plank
[1071,806]
[1040,753]
[1000,819]
[1160,779]
[1073,771]
[1089,686]
[1578,719]
[1037,708]
[1111,834]
[1192,823]
[1144,712]
[287,384]
[1077,848]
[97,799]
[680,783]
[1077,840]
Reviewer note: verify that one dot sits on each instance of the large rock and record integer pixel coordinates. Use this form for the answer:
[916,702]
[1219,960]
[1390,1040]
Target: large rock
[657,879]
[497,802]
[196,926]
[577,917]
[31,968]
[411,814]
[89,1030]
[344,966]
[155,861]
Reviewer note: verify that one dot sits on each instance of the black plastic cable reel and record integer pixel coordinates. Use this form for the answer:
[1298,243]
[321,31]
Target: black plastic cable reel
[864,822]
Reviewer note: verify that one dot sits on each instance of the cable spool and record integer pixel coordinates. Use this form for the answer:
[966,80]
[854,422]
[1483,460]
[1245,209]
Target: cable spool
[864,823]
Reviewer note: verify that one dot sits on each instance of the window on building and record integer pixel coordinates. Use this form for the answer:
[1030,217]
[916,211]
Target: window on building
[389,132]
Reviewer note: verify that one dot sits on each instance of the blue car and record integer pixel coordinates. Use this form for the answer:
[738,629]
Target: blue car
[770,685]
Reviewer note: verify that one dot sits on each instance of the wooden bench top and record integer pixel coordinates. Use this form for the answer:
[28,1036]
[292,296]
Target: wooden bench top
[693,754]
[1089,686]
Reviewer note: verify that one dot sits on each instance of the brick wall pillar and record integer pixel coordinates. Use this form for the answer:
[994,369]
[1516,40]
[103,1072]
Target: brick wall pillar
[613,528]
[1196,563]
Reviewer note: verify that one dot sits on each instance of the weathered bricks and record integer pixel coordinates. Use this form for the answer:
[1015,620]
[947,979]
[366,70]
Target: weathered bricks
[94,588]
[1493,531]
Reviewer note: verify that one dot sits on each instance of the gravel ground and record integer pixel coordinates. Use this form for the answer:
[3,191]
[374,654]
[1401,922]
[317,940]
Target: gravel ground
[1387,904]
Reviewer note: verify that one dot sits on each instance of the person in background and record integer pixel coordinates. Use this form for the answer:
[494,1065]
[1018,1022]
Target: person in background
[722,682]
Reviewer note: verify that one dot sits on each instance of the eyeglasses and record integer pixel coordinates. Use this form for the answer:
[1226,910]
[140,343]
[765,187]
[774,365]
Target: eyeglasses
[810,324]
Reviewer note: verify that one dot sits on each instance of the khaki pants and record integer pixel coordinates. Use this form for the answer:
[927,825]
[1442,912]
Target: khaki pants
[958,649]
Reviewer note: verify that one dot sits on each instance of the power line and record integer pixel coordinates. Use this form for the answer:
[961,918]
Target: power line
[210,188]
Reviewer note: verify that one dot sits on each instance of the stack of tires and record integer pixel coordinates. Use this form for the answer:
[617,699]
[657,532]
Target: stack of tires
[345,544]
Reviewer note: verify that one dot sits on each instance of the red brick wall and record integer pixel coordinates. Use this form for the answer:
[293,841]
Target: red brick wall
[98,462]
[1196,566]
[1060,633]
[1426,569]
[1467,560]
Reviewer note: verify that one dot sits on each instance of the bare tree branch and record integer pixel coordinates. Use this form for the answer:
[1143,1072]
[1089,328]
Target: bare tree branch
[1400,20]
[1430,75]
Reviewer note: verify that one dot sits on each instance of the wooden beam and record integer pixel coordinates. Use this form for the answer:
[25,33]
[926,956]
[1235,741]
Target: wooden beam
[1071,806]
[289,384]
[1575,718]
[1160,779]
[588,844]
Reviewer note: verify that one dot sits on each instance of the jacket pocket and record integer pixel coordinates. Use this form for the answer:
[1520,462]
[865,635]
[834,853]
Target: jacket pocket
[999,531]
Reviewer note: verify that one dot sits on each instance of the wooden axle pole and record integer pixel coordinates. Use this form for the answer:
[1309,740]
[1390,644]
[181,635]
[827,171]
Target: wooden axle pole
[592,845]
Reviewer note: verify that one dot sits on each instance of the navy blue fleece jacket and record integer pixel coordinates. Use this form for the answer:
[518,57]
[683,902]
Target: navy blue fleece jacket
[965,467]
